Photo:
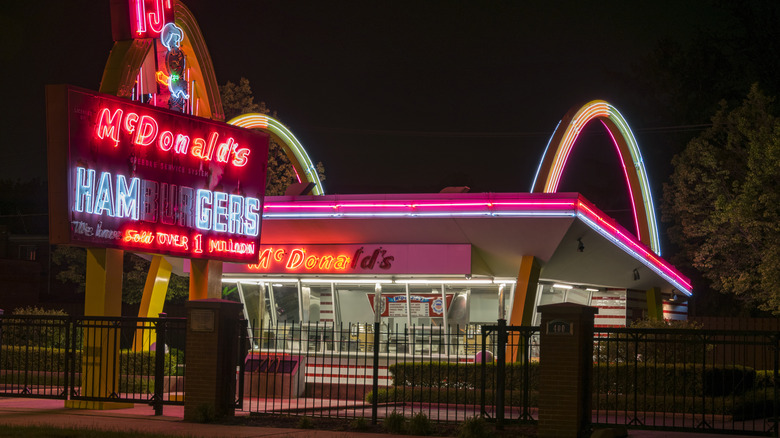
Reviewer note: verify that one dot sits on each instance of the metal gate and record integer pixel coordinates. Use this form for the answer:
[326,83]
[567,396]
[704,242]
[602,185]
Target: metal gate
[134,360]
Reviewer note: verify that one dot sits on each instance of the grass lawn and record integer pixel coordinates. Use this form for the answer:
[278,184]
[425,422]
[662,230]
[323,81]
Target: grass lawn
[56,432]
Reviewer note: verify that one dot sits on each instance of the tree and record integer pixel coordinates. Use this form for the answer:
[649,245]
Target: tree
[723,201]
[72,268]
[237,99]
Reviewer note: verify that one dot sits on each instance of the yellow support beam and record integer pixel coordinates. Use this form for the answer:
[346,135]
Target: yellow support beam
[205,279]
[655,307]
[525,299]
[153,299]
[525,292]
[100,351]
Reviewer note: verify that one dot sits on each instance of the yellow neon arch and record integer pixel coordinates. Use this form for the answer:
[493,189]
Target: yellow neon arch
[553,162]
[304,169]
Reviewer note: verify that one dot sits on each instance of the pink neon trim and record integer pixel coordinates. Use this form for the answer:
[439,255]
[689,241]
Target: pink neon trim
[547,203]
[625,173]
[631,241]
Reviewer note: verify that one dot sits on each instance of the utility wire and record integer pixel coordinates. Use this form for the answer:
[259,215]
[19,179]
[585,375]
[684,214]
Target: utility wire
[487,134]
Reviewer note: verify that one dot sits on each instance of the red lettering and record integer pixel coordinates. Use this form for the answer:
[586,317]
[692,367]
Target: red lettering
[181,144]
[295,259]
[342,262]
[212,146]
[141,237]
[225,149]
[108,125]
[241,158]
[263,261]
[165,142]
[157,18]
[130,122]
[146,132]
[198,148]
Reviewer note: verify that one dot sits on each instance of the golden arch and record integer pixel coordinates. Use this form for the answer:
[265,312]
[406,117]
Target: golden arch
[304,169]
[553,162]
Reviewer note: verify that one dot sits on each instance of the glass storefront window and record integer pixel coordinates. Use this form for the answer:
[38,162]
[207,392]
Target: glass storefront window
[287,302]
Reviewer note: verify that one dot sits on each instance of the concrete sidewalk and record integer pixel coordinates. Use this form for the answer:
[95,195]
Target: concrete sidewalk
[141,418]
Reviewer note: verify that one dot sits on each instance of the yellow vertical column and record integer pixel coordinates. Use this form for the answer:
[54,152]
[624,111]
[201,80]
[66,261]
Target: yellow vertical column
[655,307]
[525,298]
[153,300]
[205,279]
[100,348]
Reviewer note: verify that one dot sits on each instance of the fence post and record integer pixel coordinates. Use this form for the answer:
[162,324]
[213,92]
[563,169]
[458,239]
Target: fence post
[483,372]
[375,380]
[210,371]
[500,373]
[159,365]
[566,366]
[776,380]
[68,352]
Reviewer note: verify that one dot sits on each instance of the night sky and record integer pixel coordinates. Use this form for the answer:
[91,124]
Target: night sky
[392,96]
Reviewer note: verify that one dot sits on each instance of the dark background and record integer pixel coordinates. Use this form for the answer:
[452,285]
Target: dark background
[399,96]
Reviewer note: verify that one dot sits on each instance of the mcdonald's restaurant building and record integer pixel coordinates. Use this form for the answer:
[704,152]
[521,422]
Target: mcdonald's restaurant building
[145,165]
[460,260]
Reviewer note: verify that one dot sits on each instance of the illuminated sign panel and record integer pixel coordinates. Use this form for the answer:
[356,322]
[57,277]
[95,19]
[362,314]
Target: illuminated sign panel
[149,179]
[443,259]
[420,305]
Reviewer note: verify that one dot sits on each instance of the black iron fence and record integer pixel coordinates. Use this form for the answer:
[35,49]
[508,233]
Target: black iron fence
[93,358]
[642,378]
[686,380]
[371,371]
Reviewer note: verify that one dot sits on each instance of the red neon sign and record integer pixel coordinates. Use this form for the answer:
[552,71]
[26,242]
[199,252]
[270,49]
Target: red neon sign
[147,17]
[145,131]
[139,176]
[386,259]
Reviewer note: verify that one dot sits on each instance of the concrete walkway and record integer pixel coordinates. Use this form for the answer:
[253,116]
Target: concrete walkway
[44,412]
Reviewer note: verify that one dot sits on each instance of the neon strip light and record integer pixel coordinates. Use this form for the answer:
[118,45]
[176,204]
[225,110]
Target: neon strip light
[261,121]
[603,110]
[555,206]
[546,148]
[625,174]
[633,247]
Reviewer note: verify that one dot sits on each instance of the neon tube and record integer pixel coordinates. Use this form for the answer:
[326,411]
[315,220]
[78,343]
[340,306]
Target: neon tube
[599,109]
[479,205]
[625,174]
[261,121]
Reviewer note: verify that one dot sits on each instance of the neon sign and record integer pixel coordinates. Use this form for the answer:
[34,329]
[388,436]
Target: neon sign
[148,17]
[175,61]
[145,130]
[153,179]
[360,259]
[420,305]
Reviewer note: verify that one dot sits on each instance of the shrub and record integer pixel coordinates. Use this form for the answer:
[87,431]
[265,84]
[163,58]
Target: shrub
[672,379]
[359,424]
[474,427]
[765,379]
[305,423]
[661,342]
[420,424]
[461,375]
[38,328]
[394,423]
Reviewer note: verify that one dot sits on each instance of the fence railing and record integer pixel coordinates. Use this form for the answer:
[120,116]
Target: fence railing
[93,358]
[642,378]
[371,370]
[681,379]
